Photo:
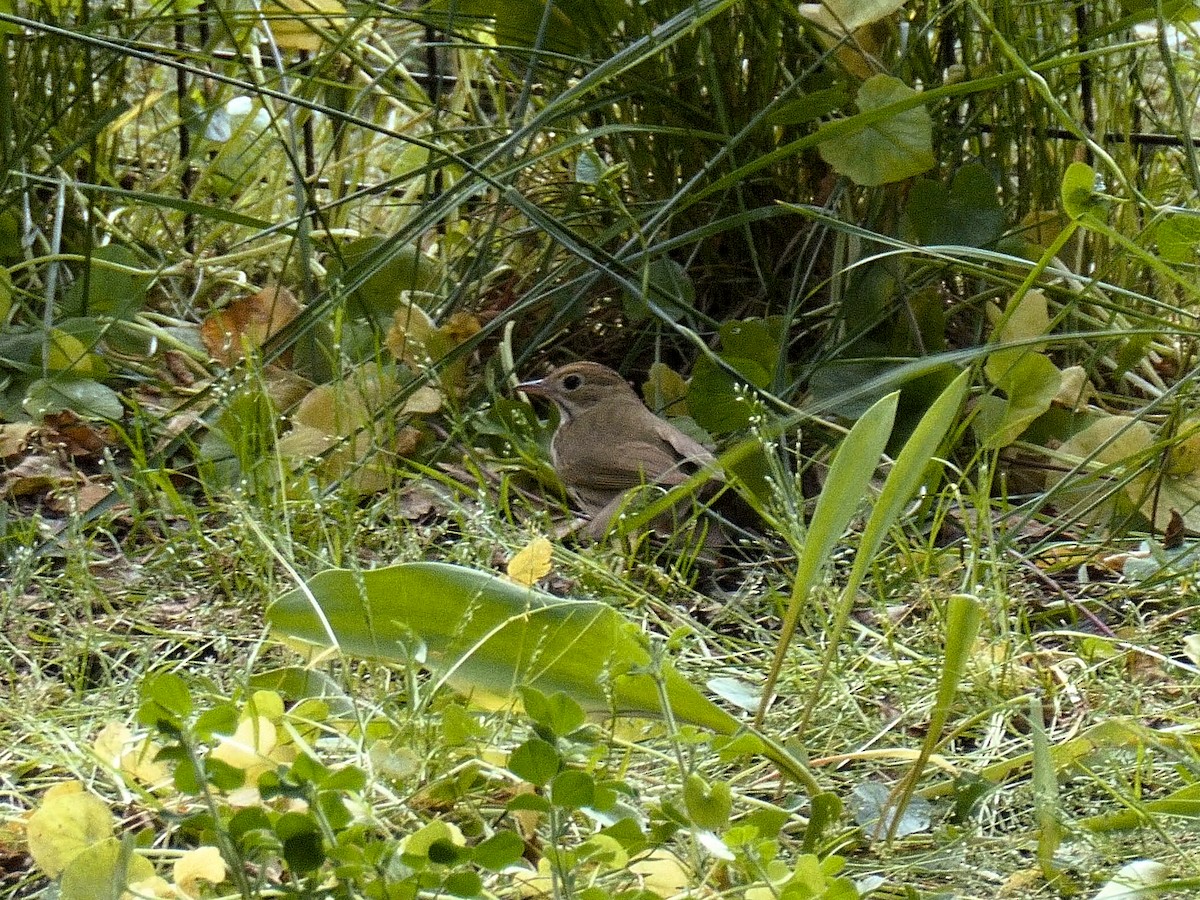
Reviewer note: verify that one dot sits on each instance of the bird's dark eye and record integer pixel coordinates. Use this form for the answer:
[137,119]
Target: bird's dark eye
[573,382]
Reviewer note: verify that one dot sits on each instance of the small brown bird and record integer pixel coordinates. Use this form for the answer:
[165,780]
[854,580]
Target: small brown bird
[608,442]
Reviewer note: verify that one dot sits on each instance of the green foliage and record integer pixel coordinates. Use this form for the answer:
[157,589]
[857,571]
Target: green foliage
[490,638]
[882,150]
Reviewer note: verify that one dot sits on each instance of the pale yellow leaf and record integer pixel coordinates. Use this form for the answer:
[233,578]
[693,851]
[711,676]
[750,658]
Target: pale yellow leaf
[249,746]
[155,886]
[531,563]
[67,822]
[202,864]
[662,872]
[1075,390]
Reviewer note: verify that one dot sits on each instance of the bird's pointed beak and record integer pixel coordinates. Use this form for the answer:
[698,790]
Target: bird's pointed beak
[534,388]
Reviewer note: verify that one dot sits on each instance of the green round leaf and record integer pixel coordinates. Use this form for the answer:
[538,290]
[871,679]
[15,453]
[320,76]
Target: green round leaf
[714,399]
[572,789]
[535,761]
[1079,191]
[165,692]
[463,884]
[381,294]
[708,805]
[499,851]
[111,289]
[82,396]
[880,152]
[301,839]
[968,214]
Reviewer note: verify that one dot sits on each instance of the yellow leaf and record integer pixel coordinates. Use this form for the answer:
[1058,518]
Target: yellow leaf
[662,873]
[131,756]
[195,866]
[154,886]
[250,746]
[665,391]
[531,562]
[67,822]
[299,24]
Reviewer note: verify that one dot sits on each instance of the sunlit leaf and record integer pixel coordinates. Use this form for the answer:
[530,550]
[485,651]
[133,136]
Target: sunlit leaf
[531,563]
[1079,197]
[301,24]
[194,867]
[66,822]
[893,149]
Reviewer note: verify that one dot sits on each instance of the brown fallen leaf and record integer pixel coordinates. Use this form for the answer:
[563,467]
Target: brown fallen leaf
[78,500]
[34,475]
[77,437]
[246,324]
[15,437]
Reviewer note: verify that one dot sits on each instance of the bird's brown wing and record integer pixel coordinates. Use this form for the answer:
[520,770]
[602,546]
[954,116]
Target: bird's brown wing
[689,455]
[613,468]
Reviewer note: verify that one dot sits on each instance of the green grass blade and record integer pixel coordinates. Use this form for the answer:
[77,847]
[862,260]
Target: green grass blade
[856,460]
[904,479]
[963,615]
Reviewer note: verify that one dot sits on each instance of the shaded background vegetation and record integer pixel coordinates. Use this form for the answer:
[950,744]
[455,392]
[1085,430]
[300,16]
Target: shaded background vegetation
[751,185]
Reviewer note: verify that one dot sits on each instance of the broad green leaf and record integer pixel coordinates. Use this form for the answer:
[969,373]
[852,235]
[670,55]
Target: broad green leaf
[708,805]
[69,356]
[1183,803]
[1045,792]
[1031,385]
[715,400]
[667,287]
[66,822]
[84,397]
[302,24]
[489,638]
[8,7]
[665,391]
[809,107]
[502,849]
[968,214]
[382,293]
[963,616]
[756,339]
[115,285]
[572,789]
[100,871]
[908,471]
[535,761]
[559,714]
[1025,317]
[893,149]
[1178,238]
[1030,381]
[1079,191]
